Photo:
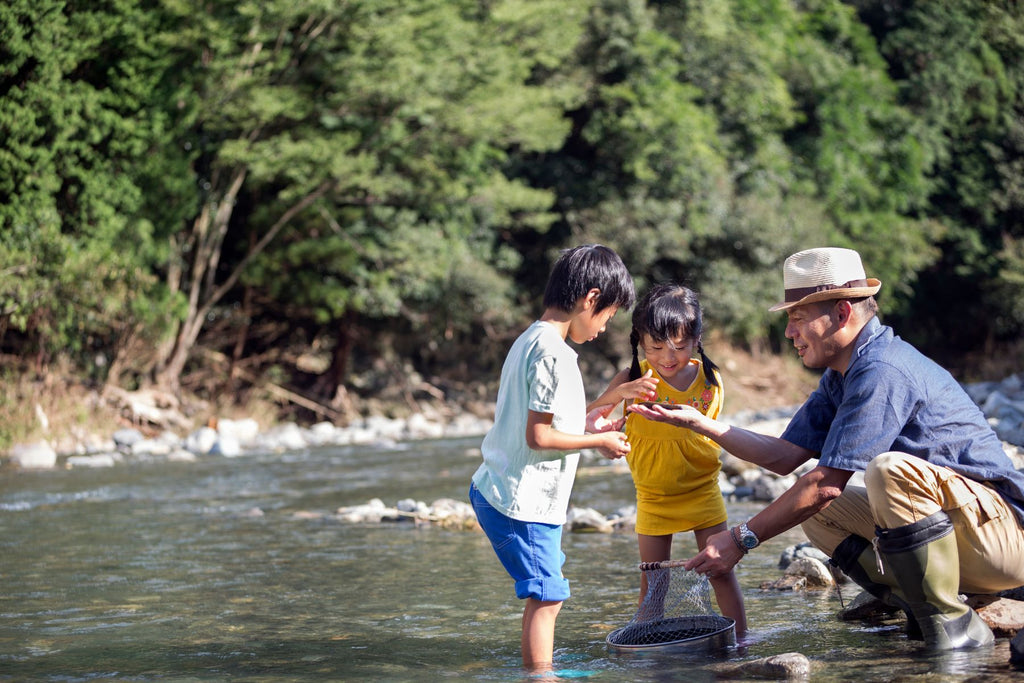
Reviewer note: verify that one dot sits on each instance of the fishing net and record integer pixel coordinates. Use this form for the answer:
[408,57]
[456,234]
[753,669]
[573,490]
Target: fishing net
[676,611]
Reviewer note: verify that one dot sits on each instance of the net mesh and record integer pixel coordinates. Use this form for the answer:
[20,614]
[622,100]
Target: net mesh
[676,608]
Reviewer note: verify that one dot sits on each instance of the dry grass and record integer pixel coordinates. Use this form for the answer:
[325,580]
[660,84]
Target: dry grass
[34,408]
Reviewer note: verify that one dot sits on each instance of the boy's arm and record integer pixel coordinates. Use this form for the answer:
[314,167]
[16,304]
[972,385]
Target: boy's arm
[541,436]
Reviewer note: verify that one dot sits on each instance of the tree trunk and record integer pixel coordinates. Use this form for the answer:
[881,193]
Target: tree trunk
[208,239]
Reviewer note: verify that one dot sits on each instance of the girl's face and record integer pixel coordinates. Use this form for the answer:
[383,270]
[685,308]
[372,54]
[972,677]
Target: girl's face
[669,359]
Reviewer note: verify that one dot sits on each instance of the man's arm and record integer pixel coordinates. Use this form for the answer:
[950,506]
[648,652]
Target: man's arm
[770,452]
[812,493]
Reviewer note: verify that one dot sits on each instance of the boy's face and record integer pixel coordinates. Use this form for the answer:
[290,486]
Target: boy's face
[587,324]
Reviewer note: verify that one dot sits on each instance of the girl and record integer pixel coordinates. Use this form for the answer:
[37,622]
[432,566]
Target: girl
[675,471]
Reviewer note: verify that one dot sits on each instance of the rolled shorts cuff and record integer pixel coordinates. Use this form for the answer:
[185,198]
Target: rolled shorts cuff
[545,589]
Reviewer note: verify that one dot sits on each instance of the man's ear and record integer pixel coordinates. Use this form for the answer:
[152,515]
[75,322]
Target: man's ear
[844,311]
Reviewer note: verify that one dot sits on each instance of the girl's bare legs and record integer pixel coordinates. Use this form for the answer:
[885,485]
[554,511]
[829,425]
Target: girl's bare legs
[652,549]
[727,586]
[538,642]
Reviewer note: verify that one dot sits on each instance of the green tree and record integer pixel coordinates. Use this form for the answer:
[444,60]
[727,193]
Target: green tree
[365,143]
[960,68]
[77,114]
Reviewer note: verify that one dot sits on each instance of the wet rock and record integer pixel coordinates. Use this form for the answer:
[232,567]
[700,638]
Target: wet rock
[769,486]
[453,514]
[1005,617]
[866,607]
[789,582]
[799,550]
[373,512]
[126,438]
[624,519]
[587,520]
[787,666]
[34,456]
[201,441]
[814,571]
[98,460]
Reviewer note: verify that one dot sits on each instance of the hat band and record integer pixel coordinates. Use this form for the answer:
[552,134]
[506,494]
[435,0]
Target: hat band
[798,293]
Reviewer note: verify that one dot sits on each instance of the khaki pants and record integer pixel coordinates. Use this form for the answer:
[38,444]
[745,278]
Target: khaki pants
[900,489]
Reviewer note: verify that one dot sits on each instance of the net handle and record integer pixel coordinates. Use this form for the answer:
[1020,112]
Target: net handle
[662,564]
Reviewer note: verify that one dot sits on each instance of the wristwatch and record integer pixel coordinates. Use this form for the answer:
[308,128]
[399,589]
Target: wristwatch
[748,538]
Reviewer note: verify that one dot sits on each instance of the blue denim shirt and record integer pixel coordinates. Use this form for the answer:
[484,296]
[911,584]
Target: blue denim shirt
[893,398]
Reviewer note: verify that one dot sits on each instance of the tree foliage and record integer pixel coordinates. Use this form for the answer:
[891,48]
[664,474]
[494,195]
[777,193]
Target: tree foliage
[378,179]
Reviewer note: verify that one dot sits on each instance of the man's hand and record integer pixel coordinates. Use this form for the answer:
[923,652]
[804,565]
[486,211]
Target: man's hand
[718,558]
[678,415]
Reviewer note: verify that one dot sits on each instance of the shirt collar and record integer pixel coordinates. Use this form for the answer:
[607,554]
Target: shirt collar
[872,329]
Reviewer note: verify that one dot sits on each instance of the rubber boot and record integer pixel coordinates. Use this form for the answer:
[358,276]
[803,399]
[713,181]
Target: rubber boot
[924,561]
[857,558]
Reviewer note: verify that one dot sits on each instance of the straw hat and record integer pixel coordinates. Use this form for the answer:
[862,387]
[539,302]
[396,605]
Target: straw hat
[824,274]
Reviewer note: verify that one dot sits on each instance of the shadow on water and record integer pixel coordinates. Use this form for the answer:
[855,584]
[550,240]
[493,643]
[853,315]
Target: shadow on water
[235,569]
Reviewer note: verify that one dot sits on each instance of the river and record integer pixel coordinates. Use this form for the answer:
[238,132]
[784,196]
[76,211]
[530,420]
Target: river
[236,569]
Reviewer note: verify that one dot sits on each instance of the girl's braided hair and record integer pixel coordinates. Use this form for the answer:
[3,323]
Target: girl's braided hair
[666,312]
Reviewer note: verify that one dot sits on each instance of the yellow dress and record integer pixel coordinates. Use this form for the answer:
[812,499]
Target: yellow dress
[676,470]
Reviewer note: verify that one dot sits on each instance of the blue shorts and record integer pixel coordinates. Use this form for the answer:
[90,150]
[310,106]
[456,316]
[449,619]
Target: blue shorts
[531,552]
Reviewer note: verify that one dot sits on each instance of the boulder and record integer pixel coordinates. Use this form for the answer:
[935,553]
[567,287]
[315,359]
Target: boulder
[813,570]
[1005,617]
[787,666]
[587,520]
[34,456]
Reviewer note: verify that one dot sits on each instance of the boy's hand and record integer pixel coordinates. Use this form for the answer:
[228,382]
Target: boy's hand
[613,445]
[597,420]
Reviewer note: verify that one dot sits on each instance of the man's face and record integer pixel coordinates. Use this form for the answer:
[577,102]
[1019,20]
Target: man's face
[813,328]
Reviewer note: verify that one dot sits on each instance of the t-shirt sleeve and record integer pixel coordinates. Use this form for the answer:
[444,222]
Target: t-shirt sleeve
[543,383]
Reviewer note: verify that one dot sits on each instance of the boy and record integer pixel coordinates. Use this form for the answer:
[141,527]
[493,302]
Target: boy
[521,490]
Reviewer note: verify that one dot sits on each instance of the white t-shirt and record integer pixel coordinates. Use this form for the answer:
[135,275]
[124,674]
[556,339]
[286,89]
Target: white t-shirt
[540,374]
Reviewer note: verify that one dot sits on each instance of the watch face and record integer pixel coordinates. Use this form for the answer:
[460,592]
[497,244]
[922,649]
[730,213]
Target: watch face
[750,542]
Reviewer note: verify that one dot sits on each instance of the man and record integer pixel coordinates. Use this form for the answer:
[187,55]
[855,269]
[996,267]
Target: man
[940,509]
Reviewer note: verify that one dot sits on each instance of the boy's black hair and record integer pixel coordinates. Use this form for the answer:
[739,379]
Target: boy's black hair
[668,311]
[581,269]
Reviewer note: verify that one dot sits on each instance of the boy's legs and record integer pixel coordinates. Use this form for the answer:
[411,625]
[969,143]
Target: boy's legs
[531,553]
[538,641]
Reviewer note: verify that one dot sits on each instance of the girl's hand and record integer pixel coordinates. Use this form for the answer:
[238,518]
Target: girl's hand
[645,388]
[613,445]
[597,420]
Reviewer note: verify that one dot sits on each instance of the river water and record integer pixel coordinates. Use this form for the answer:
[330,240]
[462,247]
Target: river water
[236,569]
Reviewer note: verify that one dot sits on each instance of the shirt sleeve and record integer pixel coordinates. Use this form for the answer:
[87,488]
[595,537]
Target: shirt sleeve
[810,425]
[877,404]
[543,382]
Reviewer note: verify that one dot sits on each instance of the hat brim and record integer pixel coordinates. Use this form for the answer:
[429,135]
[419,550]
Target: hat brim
[830,294]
